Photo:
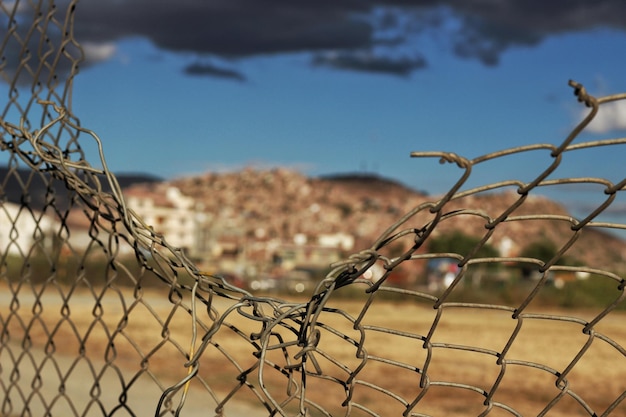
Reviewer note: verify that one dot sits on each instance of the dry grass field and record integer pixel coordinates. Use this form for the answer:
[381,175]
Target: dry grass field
[464,346]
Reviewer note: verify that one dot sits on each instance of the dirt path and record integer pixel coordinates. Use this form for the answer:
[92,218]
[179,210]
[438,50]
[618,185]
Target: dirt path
[77,395]
[64,386]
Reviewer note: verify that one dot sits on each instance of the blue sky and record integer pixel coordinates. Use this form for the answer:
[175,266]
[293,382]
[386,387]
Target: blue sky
[330,87]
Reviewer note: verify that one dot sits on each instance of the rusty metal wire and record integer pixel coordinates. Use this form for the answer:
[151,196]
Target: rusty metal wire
[116,321]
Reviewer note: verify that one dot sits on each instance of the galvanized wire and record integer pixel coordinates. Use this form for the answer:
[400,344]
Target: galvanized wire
[158,336]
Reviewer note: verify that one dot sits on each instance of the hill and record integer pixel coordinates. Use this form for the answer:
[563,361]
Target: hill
[368,182]
[280,203]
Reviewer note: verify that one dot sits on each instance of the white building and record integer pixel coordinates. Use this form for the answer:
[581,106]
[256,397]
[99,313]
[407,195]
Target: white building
[168,211]
[339,240]
[20,229]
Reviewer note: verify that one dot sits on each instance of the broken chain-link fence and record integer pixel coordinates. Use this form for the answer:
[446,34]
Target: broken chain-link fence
[101,316]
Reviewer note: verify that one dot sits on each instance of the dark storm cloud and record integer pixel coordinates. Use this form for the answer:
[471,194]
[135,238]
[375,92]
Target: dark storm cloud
[229,28]
[486,41]
[487,29]
[35,57]
[370,63]
[211,70]
[362,35]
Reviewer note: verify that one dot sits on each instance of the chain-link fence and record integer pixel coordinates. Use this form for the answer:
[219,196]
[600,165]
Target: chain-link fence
[101,316]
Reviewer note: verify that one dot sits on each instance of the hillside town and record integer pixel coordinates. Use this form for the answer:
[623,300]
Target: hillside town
[278,228]
[269,228]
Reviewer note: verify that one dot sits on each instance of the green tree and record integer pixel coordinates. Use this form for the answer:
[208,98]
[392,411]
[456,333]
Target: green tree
[462,244]
[459,242]
[544,250]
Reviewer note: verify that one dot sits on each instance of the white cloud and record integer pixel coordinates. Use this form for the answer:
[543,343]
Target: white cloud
[98,52]
[611,116]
